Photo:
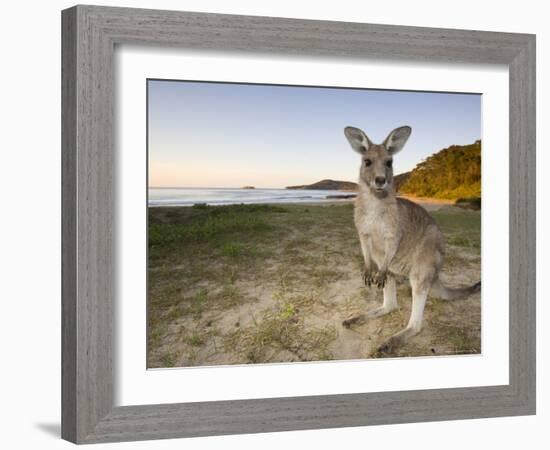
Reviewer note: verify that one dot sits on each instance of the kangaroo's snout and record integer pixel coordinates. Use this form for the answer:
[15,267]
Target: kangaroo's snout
[380,181]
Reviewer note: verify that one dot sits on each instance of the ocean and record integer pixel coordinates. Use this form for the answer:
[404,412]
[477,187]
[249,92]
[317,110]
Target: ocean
[232,196]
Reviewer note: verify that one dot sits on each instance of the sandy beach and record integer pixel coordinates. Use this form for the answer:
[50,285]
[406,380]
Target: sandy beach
[272,283]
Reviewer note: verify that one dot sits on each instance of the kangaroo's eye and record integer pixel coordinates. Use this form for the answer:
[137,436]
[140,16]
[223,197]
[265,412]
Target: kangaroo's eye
[389,163]
[368,162]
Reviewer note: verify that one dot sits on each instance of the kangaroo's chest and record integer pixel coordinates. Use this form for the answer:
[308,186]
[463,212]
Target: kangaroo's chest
[376,225]
[376,222]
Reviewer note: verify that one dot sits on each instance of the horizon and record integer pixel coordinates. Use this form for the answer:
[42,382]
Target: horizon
[231,135]
[282,187]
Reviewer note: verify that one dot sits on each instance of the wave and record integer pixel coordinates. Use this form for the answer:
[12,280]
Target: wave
[191,196]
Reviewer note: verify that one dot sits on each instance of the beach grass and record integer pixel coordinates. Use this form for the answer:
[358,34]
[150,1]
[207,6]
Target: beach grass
[271,283]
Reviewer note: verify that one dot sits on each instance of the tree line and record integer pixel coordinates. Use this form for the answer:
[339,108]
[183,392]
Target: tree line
[452,173]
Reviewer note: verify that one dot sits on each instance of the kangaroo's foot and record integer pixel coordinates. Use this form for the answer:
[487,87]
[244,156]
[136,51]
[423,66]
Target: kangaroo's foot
[398,340]
[380,311]
[358,319]
[372,314]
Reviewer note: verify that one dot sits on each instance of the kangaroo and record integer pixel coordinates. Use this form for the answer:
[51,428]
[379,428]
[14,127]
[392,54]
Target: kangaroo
[397,236]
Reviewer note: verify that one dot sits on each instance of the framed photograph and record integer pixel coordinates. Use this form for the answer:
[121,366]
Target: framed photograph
[279,224]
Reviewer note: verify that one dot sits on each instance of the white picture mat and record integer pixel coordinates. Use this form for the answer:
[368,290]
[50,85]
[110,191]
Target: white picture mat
[136,385]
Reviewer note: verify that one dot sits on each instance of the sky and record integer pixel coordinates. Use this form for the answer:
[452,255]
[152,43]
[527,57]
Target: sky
[233,135]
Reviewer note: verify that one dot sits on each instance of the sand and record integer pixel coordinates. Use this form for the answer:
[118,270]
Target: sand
[288,304]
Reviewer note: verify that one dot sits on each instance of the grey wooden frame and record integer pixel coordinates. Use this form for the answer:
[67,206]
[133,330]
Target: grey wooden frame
[89,36]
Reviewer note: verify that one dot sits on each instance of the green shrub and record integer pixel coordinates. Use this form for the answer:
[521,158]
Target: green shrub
[454,172]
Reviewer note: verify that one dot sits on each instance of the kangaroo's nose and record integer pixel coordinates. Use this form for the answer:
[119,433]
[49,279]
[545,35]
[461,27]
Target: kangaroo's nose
[379,181]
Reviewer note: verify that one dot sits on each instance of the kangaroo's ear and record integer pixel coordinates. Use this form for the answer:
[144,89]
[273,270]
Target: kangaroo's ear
[358,140]
[397,139]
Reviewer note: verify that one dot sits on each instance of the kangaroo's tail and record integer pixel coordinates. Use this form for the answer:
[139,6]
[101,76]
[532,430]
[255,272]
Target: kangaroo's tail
[439,290]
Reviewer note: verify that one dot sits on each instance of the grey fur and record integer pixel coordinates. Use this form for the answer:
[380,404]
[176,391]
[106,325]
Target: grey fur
[398,237]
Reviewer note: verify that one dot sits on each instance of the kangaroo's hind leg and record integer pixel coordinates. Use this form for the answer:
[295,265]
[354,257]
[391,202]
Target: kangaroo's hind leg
[420,283]
[389,305]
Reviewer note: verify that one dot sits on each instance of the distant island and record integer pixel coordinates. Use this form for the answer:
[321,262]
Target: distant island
[248,187]
[328,185]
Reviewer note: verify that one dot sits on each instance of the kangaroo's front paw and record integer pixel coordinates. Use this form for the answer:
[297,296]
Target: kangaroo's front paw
[379,279]
[368,277]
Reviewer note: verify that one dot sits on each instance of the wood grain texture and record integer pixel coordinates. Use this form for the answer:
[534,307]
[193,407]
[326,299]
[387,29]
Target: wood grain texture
[522,225]
[89,36]
[88,209]
[68,226]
